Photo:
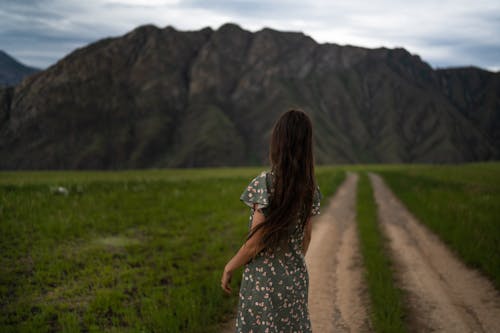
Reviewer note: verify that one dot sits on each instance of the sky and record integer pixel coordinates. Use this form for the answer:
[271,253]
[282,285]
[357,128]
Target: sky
[444,33]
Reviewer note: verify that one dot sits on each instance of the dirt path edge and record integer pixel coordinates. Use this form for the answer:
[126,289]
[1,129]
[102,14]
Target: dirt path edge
[442,293]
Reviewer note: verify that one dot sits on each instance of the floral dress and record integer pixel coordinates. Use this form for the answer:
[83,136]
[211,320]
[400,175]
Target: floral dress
[274,288]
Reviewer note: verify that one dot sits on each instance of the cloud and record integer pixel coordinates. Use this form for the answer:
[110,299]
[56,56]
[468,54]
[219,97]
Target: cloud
[444,33]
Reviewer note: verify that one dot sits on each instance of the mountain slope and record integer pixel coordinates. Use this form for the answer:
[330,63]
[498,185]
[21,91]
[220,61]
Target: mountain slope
[166,98]
[12,71]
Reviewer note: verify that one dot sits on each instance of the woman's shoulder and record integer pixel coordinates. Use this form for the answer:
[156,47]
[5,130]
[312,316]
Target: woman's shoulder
[257,190]
[263,178]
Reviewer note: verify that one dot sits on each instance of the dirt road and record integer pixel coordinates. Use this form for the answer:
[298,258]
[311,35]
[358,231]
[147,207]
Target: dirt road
[443,294]
[337,295]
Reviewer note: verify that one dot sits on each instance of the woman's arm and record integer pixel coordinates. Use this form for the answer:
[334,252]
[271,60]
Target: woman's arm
[307,235]
[247,251]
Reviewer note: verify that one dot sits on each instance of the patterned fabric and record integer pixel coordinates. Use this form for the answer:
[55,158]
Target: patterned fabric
[274,288]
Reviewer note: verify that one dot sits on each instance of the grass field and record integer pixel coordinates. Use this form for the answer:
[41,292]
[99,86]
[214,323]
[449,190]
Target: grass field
[136,251]
[386,300]
[142,251]
[461,204]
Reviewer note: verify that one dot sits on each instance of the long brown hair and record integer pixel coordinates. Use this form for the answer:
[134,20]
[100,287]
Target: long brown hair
[292,167]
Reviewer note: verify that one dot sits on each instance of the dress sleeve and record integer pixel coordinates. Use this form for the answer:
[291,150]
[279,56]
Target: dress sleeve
[316,202]
[256,192]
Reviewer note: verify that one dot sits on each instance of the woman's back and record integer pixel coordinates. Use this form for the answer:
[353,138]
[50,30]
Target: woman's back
[274,290]
[275,282]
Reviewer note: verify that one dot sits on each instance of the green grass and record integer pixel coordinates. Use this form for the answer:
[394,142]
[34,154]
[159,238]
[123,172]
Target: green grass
[77,177]
[129,251]
[460,204]
[133,251]
[329,179]
[386,300]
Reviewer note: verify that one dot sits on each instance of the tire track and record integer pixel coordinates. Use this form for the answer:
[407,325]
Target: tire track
[442,294]
[337,294]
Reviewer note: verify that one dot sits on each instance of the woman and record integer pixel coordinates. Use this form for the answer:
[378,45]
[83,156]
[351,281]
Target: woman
[274,288]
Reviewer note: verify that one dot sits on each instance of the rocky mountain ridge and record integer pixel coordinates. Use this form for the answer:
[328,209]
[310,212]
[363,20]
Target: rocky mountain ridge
[167,98]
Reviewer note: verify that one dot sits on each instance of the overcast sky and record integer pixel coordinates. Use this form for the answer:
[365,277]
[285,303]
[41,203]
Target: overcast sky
[444,33]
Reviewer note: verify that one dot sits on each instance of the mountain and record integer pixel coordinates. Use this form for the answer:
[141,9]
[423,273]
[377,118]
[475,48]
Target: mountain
[12,71]
[168,98]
